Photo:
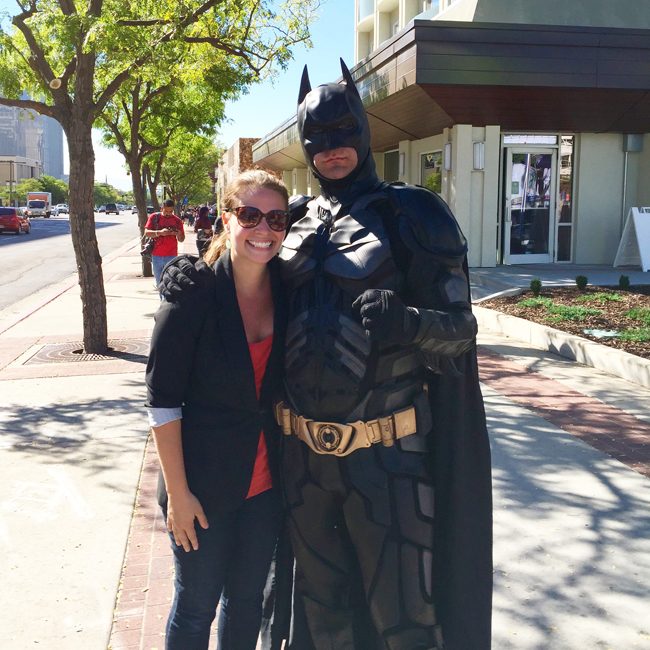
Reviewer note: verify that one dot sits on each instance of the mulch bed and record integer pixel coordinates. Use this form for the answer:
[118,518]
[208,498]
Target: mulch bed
[612,318]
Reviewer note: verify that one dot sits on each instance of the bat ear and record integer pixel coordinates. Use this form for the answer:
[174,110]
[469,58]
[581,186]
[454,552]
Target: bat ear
[349,81]
[305,86]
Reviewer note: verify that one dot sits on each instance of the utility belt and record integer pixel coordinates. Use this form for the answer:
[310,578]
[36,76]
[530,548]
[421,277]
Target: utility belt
[342,439]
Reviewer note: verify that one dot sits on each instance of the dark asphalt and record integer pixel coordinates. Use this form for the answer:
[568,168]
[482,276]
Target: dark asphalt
[31,262]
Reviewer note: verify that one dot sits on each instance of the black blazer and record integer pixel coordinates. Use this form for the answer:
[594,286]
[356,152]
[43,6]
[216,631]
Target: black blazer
[200,360]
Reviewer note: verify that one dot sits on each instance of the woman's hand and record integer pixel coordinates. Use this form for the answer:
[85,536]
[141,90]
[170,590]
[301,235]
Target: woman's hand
[182,509]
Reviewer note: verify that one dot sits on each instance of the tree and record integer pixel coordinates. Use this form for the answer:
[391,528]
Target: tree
[144,115]
[105,193]
[58,188]
[186,169]
[76,55]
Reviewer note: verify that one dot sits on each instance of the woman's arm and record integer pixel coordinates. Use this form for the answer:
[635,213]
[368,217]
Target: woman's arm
[182,506]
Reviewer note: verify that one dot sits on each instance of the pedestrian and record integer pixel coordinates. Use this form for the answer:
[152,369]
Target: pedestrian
[203,230]
[167,230]
[215,364]
[382,407]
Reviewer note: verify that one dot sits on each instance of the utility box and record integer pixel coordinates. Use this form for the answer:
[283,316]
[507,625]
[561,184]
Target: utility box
[632,142]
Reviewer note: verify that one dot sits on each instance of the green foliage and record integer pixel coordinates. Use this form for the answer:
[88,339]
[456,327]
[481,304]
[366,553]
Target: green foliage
[640,313]
[581,282]
[638,334]
[600,297]
[570,312]
[23,187]
[624,282]
[560,312]
[58,188]
[188,162]
[433,182]
[536,286]
[535,302]
[105,193]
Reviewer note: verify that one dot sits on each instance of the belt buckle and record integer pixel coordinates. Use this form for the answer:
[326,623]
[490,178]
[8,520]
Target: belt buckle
[329,437]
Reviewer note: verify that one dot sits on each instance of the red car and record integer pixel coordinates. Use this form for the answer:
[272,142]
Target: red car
[13,220]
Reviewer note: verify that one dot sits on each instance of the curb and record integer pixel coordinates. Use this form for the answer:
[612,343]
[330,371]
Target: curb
[61,290]
[616,362]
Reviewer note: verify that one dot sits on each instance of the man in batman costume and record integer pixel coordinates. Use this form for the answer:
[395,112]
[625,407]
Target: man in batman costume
[386,459]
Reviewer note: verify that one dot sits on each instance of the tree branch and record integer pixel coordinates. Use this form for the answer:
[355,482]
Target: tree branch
[28,104]
[67,7]
[151,96]
[37,61]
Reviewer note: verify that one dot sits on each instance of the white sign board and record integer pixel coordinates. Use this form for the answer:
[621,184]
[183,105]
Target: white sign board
[634,249]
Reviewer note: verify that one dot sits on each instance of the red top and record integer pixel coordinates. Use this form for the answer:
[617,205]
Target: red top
[261,480]
[166,246]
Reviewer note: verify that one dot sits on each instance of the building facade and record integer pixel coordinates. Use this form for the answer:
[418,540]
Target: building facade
[530,119]
[29,135]
[237,159]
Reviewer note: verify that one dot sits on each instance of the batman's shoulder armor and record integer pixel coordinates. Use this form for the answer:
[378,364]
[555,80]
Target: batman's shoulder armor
[426,224]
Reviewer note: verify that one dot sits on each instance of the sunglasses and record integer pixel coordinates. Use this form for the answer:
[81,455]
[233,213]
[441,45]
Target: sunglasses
[249,217]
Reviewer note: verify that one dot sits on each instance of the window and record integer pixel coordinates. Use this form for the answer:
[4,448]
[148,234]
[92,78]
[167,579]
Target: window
[565,201]
[431,171]
[391,166]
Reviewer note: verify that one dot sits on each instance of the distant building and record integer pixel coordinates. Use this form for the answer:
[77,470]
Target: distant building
[237,159]
[27,134]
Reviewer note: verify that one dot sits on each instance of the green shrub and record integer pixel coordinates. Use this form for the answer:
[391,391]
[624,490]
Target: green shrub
[569,312]
[535,302]
[640,313]
[601,297]
[639,334]
[536,286]
[624,282]
[581,282]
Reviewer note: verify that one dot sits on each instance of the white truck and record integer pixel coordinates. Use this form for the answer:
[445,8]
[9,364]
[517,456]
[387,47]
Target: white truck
[39,204]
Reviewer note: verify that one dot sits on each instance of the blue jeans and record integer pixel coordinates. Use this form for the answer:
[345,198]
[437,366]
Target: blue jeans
[231,564]
[158,262]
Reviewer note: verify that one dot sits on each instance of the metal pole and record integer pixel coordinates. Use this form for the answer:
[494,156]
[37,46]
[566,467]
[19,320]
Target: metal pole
[624,194]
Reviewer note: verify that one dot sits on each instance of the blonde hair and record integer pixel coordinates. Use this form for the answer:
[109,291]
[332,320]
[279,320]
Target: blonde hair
[249,180]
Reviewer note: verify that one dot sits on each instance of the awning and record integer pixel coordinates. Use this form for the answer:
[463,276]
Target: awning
[435,74]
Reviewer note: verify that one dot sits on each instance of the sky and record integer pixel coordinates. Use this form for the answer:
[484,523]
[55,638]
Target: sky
[266,105]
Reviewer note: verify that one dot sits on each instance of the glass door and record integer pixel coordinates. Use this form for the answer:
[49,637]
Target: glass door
[530,204]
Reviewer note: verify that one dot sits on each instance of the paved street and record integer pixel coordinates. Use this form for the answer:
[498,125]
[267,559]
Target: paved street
[30,263]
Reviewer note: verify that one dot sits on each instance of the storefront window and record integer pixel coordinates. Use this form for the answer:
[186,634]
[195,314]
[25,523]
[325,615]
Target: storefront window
[565,200]
[431,171]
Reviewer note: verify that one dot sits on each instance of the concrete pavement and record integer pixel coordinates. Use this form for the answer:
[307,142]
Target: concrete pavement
[571,445]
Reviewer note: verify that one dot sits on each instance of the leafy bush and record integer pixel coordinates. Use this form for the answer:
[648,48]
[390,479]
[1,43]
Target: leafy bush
[624,282]
[535,302]
[601,297]
[640,313]
[581,282]
[536,286]
[570,312]
[639,334]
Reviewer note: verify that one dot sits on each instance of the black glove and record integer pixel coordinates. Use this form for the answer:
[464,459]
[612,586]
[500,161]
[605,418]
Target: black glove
[183,274]
[385,317]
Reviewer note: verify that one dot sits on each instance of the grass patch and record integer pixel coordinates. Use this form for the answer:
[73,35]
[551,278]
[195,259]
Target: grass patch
[640,313]
[601,297]
[638,334]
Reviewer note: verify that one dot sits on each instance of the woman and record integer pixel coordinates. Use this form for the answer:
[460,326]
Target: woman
[214,366]
[203,230]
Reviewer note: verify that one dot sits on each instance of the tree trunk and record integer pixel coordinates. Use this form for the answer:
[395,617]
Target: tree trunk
[84,240]
[140,198]
[153,188]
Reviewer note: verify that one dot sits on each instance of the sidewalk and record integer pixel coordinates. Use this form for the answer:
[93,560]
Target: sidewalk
[83,567]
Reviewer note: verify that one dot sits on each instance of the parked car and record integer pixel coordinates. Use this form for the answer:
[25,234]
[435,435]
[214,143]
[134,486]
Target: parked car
[134,209]
[150,209]
[62,208]
[14,220]
[111,207]
[102,208]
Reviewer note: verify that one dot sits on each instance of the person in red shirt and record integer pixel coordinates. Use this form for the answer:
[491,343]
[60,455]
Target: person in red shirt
[215,364]
[167,230]
[203,230]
